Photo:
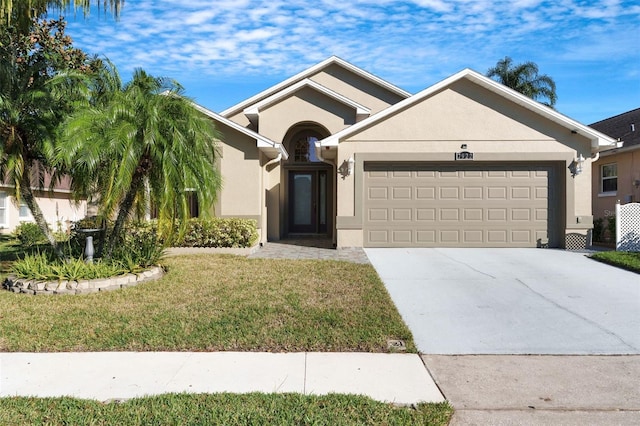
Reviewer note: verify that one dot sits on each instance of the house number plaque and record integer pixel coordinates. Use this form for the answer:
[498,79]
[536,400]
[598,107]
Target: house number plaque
[464,155]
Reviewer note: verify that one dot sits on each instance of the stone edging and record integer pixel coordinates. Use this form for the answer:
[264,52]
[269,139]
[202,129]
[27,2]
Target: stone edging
[35,287]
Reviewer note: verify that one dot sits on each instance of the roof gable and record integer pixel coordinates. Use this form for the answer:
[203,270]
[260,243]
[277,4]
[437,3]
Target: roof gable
[334,60]
[253,111]
[598,140]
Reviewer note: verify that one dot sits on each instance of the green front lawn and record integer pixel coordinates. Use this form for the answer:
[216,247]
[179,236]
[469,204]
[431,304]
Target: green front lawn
[621,259]
[221,409]
[215,303]
[211,303]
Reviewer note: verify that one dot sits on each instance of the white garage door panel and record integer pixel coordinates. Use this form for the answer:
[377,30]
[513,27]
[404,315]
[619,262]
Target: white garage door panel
[457,206]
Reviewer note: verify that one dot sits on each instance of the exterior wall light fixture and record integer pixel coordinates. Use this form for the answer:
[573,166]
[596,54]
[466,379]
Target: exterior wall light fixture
[579,163]
[350,165]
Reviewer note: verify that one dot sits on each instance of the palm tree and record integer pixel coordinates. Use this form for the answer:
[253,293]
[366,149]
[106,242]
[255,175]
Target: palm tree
[525,79]
[27,127]
[20,13]
[31,110]
[140,140]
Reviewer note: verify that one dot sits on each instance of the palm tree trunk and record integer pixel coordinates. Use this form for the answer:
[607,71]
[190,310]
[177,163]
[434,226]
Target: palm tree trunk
[123,213]
[101,239]
[30,200]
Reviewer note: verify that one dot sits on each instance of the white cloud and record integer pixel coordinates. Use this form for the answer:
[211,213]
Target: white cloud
[199,17]
[408,42]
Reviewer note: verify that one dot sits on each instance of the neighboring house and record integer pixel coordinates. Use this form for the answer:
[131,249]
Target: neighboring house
[616,174]
[57,207]
[467,162]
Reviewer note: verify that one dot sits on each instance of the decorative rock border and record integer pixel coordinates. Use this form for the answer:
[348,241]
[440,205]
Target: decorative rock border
[36,287]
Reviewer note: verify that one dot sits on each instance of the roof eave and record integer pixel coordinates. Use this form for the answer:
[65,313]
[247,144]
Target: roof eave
[307,73]
[622,150]
[270,148]
[253,112]
[598,140]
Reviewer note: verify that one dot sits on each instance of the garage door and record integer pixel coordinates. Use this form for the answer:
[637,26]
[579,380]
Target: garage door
[490,205]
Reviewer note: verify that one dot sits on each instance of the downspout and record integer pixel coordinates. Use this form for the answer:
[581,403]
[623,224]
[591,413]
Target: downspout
[595,158]
[274,161]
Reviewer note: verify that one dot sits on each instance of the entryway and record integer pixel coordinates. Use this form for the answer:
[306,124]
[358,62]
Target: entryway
[308,201]
[309,185]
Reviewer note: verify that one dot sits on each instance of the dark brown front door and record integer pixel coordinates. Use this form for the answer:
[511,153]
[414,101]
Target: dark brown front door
[308,202]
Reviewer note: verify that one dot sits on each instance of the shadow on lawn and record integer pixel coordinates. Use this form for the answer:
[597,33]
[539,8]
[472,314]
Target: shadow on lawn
[11,250]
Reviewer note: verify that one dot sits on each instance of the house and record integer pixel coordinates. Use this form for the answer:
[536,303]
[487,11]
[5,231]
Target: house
[337,151]
[57,206]
[616,174]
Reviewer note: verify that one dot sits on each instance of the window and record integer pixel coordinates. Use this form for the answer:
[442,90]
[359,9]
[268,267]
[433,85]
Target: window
[609,177]
[304,150]
[3,209]
[24,212]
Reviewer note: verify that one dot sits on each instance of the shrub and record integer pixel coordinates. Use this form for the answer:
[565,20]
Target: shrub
[219,232]
[138,248]
[140,245]
[598,229]
[143,244]
[611,227]
[29,234]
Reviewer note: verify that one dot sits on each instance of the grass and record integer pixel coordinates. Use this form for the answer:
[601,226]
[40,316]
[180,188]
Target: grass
[210,303]
[227,409]
[215,303]
[622,259]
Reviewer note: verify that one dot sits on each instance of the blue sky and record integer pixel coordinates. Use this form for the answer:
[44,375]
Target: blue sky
[225,51]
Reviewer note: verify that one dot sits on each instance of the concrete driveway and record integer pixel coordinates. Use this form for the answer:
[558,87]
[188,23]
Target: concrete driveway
[512,301]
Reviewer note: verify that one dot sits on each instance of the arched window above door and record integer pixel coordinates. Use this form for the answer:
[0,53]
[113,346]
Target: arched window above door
[304,149]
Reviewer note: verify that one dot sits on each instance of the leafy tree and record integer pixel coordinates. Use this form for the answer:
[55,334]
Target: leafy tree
[525,79]
[20,13]
[31,108]
[137,141]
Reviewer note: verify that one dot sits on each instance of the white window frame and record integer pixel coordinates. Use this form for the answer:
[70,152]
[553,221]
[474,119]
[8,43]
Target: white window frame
[604,178]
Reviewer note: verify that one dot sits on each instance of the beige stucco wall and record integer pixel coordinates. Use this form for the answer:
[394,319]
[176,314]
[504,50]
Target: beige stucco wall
[57,209]
[239,165]
[628,164]
[494,129]
[340,80]
[306,105]
[356,88]
[242,120]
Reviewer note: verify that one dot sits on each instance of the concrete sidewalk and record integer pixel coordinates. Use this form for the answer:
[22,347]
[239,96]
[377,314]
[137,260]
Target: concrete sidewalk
[539,390]
[103,376]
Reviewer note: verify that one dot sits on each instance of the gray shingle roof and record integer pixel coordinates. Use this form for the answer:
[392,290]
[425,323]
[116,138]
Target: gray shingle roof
[625,127]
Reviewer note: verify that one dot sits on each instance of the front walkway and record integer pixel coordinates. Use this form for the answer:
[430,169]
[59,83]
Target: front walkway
[309,249]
